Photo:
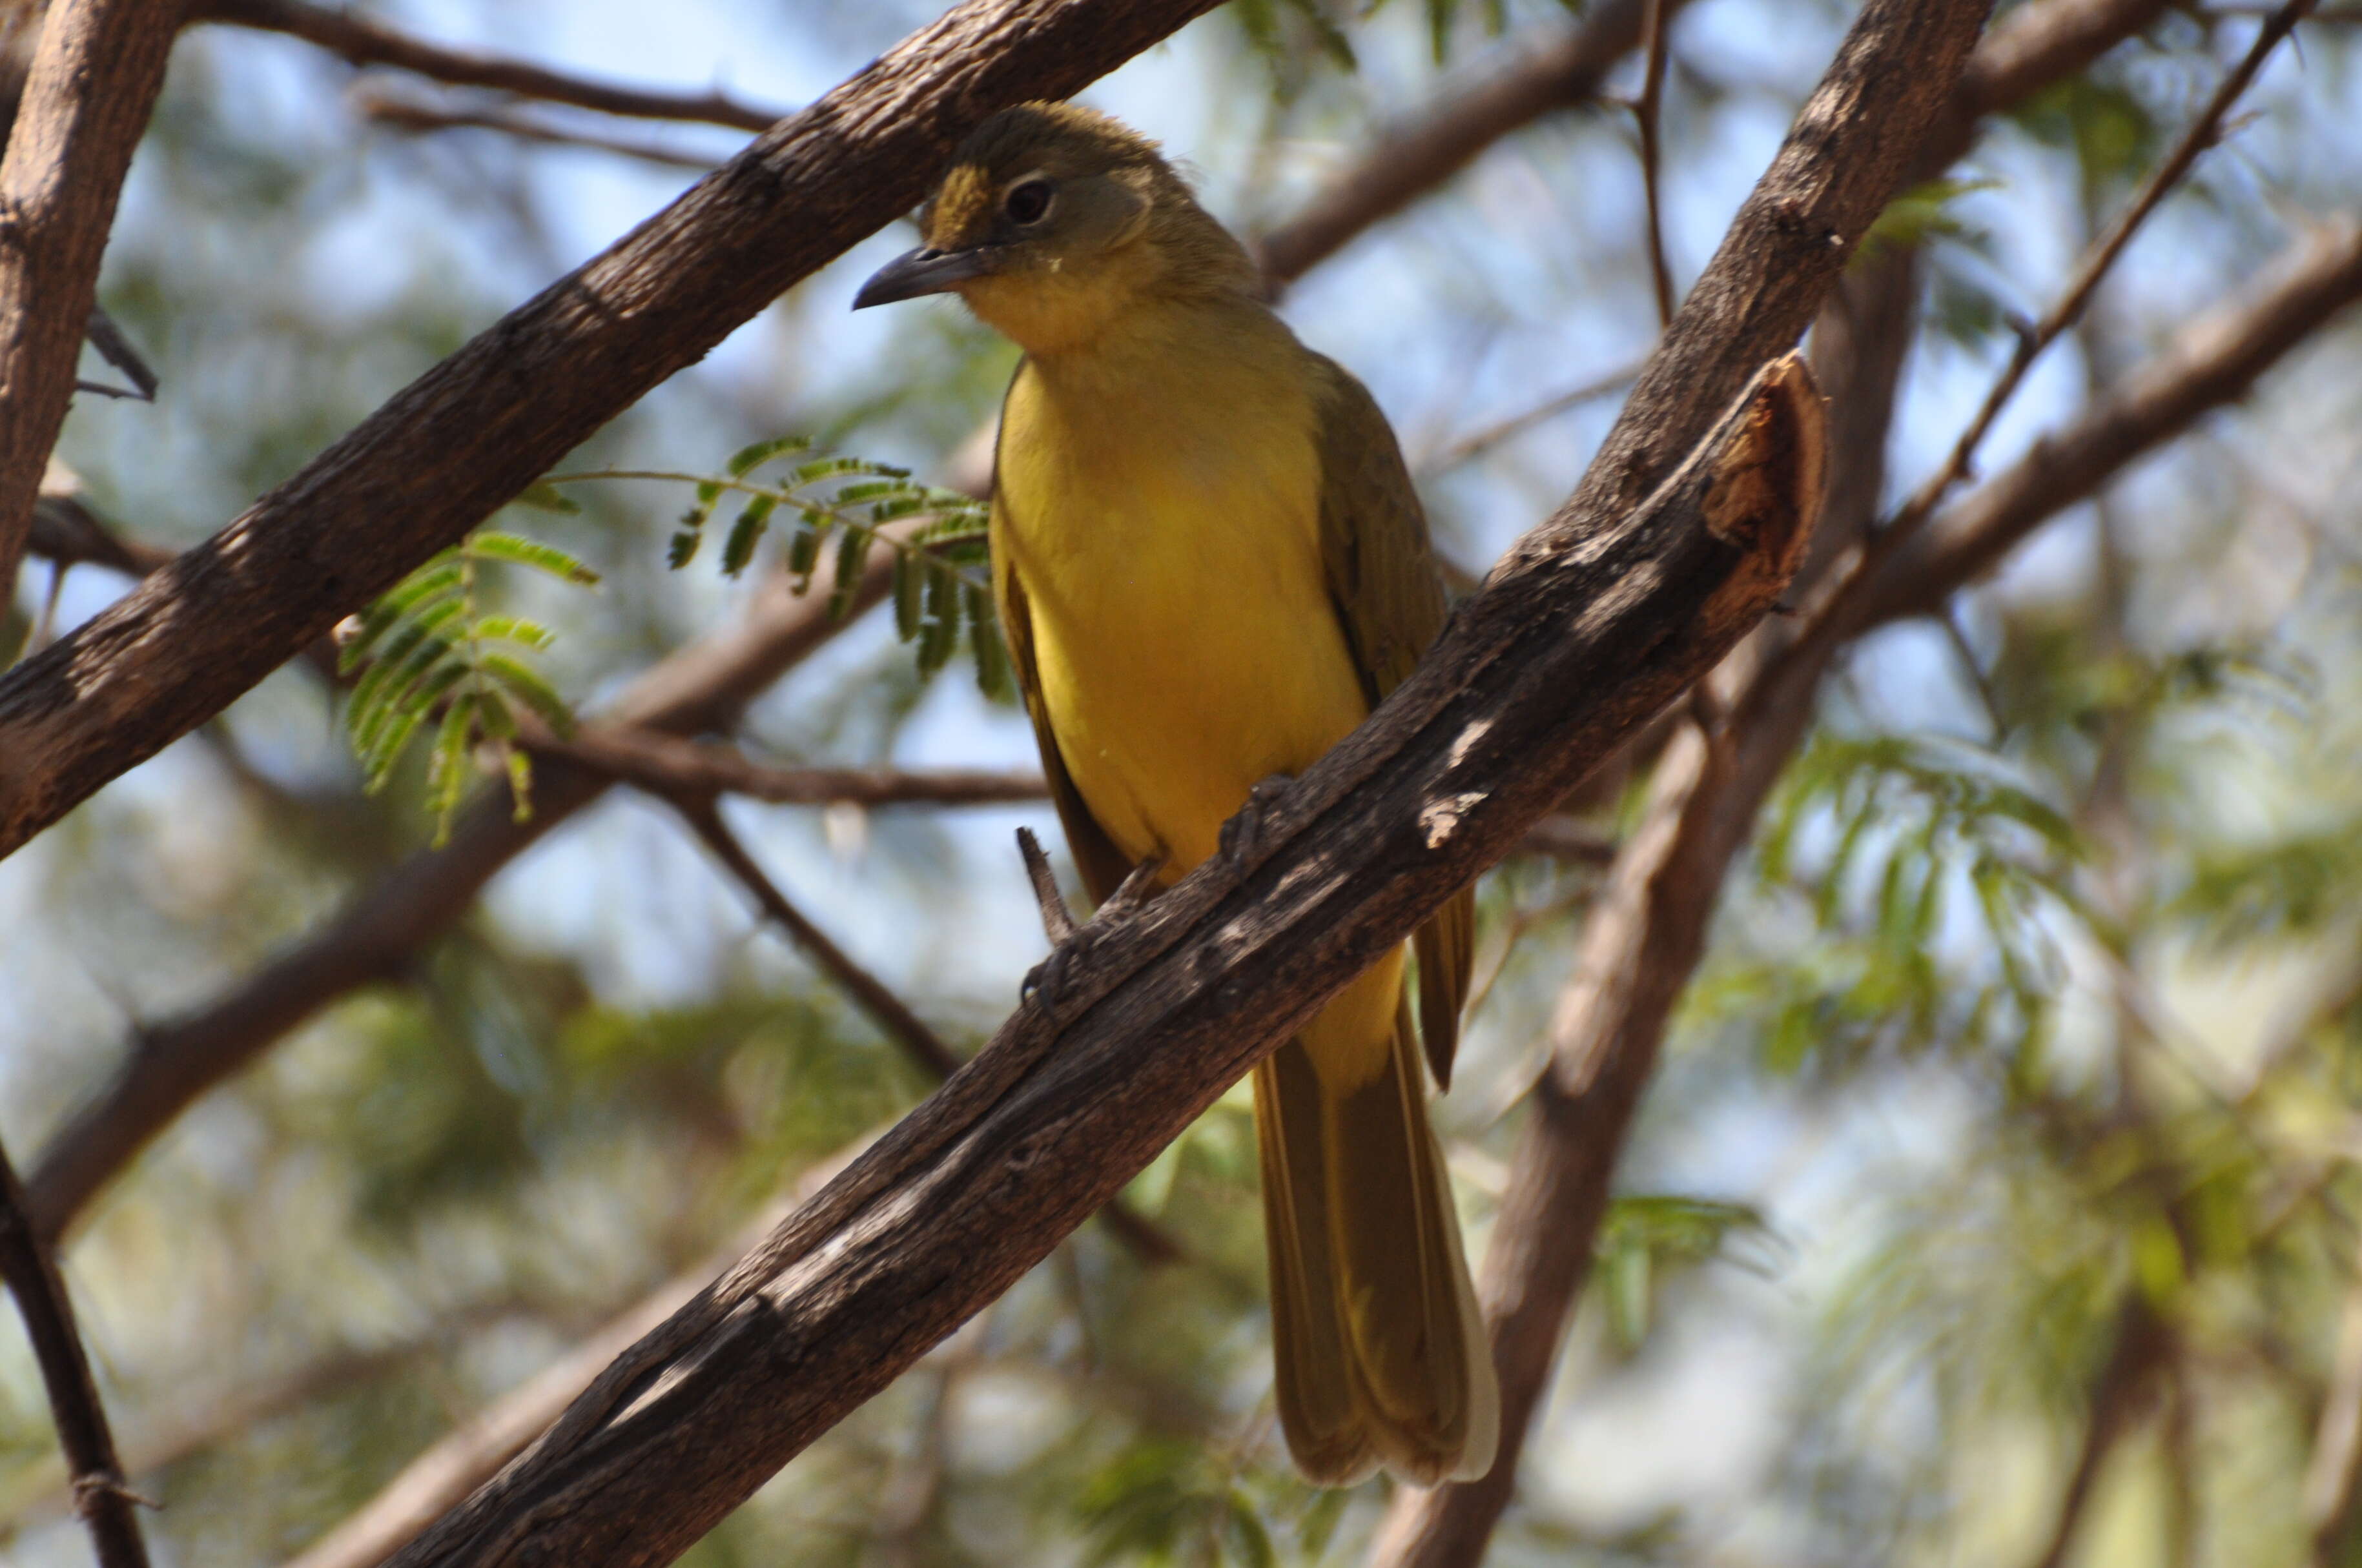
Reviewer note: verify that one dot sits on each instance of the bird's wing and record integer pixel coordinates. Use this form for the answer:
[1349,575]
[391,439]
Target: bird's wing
[1389,599]
[1101,863]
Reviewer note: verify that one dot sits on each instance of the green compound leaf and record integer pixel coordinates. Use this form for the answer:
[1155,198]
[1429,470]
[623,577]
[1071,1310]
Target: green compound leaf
[533,553]
[430,660]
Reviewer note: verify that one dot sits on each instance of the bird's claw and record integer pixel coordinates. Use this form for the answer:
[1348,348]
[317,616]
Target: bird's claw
[1045,980]
[1244,836]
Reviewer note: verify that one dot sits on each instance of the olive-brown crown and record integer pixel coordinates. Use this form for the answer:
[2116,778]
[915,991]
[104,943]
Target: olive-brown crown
[1053,188]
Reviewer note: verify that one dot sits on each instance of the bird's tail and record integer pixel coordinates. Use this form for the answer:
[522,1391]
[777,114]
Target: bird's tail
[1380,1353]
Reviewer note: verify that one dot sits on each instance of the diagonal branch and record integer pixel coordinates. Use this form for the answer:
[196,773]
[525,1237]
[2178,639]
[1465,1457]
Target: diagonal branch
[99,1494]
[888,1012]
[94,79]
[361,41]
[466,436]
[464,1458]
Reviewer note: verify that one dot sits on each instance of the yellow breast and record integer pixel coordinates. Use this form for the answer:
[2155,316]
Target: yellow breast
[1162,510]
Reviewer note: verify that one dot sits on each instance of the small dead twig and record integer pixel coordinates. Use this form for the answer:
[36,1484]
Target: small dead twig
[101,332]
[100,1497]
[1057,920]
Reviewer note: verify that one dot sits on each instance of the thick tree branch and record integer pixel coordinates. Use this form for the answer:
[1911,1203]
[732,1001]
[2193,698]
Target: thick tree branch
[94,79]
[97,1475]
[360,41]
[464,437]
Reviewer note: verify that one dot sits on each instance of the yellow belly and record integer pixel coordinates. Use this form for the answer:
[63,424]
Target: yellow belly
[1182,629]
[1168,538]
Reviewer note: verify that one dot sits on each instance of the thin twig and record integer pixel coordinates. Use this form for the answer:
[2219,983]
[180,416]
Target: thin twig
[411,114]
[884,1008]
[1966,652]
[101,332]
[1478,442]
[871,994]
[1647,111]
[1057,920]
[100,1497]
[361,41]
[2097,261]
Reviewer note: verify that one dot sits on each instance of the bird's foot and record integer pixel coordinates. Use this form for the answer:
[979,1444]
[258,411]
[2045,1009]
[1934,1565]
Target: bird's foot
[1246,836]
[1046,979]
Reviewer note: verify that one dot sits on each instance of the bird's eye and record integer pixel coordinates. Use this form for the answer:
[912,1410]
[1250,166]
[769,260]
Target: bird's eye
[1028,202]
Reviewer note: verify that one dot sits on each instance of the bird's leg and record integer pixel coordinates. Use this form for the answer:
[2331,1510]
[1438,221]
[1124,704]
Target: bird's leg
[1245,837]
[1138,888]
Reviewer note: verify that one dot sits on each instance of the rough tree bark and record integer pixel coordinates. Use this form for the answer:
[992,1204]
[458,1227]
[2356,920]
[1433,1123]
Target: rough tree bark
[94,79]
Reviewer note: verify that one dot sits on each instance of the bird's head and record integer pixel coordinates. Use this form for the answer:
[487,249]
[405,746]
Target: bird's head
[1055,223]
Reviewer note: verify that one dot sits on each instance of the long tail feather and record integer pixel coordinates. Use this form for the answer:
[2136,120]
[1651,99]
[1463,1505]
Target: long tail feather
[1381,1356]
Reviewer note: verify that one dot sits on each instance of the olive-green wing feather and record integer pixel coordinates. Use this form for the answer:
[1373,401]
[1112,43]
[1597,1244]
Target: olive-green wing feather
[1095,856]
[1389,597]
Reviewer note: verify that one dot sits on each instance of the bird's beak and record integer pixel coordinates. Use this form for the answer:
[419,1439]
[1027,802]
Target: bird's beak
[920,272]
